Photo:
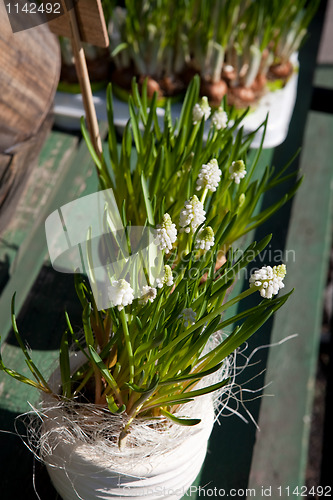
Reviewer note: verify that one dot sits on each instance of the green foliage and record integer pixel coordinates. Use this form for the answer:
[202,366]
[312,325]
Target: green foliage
[146,361]
[160,173]
[146,357]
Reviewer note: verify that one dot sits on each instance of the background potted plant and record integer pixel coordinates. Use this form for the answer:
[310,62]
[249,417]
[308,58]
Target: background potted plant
[231,45]
[245,50]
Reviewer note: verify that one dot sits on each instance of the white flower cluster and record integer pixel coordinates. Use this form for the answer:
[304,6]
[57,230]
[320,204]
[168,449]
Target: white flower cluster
[192,215]
[220,119]
[120,294]
[209,176]
[237,171]
[166,233]
[205,238]
[167,278]
[200,110]
[148,294]
[268,280]
[188,316]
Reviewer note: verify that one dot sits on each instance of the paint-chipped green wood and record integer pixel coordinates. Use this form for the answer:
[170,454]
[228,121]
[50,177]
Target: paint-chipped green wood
[53,159]
[68,168]
[281,447]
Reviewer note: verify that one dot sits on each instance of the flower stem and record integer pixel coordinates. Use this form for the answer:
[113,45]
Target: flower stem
[128,346]
[203,196]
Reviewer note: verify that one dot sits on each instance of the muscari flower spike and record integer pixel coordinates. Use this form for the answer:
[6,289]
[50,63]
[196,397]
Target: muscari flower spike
[220,119]
[188,316]
[209,176]
[192,215]
[166,233]
[268,280]
[237,171]
[205,238]
[200,110]
[148,294]
[167,278]
[120,294]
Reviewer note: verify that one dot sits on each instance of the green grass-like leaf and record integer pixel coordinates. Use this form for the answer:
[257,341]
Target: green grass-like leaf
[181,421]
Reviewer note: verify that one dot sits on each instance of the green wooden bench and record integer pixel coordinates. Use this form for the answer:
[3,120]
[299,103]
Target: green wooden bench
[239,456]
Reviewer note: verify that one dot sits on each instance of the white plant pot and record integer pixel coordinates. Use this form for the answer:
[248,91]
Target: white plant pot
[279,105]
[78,471]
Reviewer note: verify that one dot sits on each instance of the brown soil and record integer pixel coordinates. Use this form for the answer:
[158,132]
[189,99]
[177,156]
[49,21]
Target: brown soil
[99,70]
[172,86]
[237,95]
[165,87]
[123,78]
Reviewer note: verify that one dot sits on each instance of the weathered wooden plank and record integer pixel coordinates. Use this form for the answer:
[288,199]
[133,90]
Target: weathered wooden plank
[54,156]
[280,451]
[29,75]
[17,166]
[324,76]
[70,182]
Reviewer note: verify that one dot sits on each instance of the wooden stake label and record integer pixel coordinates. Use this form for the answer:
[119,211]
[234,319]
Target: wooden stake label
[90,20]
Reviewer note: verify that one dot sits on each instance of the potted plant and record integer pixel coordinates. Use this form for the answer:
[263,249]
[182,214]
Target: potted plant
[292,22]
[242,49]
[231,45]
[130,412]
[129,409]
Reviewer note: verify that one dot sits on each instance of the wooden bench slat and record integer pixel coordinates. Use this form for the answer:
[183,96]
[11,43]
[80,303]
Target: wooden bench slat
[280,452]
[71,169]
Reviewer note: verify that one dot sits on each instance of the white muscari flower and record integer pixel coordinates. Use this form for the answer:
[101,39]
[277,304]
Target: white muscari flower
[220,119]
[192,215]
[268,280]
[188,316]
[209,176]
[167,278]
[120,294]
[148,294]
[166,233]
[201,109]
[205,238]
[237,171]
